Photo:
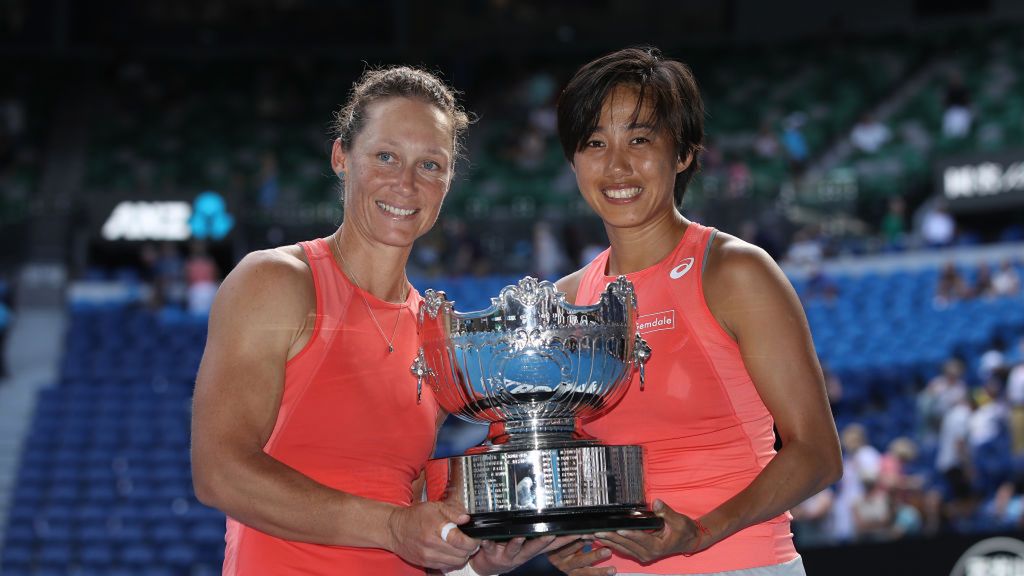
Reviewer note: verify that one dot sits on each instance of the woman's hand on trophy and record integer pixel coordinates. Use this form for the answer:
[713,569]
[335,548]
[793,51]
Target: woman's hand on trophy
[499,557]
[576,560]
[426,534]
[680,535]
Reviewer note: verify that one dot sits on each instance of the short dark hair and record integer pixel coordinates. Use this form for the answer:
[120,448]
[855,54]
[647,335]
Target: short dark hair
[398,81]
[668,86]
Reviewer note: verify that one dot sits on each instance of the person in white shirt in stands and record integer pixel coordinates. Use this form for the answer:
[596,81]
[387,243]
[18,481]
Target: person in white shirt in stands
[869,134]
[957,118]
[1005,280]
[937,226]
[861,461]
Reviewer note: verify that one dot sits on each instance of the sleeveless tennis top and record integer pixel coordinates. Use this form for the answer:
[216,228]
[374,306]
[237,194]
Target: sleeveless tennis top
[705,431]
[349,420]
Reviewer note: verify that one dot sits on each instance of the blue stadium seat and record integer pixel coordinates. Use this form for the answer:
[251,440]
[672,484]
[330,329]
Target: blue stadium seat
[97,554]
[138,554]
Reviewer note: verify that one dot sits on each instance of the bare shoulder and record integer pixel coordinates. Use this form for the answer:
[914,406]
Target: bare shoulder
[571,285]
[275,282]
[742,284]
[737,265]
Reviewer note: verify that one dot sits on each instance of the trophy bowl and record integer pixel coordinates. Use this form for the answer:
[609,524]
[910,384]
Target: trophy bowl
[533,367]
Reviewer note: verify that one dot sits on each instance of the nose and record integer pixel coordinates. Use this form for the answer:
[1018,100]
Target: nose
[618,161]
[407,180]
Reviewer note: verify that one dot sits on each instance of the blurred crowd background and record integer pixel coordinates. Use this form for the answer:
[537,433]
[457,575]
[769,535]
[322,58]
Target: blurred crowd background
[875,149]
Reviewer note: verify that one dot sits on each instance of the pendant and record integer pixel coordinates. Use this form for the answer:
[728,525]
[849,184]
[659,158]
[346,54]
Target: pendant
[391,348]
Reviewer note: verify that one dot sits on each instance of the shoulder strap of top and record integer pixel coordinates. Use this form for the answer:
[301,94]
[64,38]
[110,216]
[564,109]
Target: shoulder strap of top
[331,294]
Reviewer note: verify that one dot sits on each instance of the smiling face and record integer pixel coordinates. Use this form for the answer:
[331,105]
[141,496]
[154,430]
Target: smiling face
[627,168]
[397,170]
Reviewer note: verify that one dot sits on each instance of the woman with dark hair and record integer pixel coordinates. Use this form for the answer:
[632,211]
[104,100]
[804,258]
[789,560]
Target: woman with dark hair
[307,427]
[732,353]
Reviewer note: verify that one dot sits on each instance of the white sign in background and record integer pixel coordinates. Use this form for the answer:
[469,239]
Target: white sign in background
[148,221]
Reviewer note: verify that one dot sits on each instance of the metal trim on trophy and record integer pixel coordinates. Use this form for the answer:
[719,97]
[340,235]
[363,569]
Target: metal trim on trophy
[533,367]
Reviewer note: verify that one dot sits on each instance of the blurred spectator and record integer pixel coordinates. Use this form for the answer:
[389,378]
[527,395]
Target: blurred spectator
[982,287]
[869,135]
[833,386]
[992,360]
[952,458]
[894,223]
[907,518]
[766,144]
[861,464]
[940,396]
[1015,399]
[794,143]
[1006,281]
[549,259]
[957,118]
[894,468]
[462,253]
[906,489]
[820,285]
[991,416]
[170,275]
[762,234]
[202,276]
[269,189]
[740,179]
[937,226]
[806,249]
[530,151]
[872,512]
[950,287]
[812,519]
[589,252]
[1005,510]
[149,258]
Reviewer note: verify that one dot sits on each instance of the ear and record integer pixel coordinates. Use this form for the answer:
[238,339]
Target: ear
[684,163]
[338,157]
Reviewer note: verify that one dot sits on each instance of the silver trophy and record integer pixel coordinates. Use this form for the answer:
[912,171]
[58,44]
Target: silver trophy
[533,367]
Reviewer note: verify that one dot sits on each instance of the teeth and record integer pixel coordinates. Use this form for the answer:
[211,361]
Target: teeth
[395,210]
[622,193]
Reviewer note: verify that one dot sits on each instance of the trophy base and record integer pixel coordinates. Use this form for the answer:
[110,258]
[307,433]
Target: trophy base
[506,525]
[572,488]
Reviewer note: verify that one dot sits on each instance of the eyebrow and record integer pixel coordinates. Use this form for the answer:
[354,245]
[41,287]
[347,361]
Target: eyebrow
[631,126]
[435,151]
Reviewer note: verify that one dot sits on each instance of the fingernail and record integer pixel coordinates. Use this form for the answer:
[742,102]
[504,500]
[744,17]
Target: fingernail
[610,572]
[601,534]
[605,553]
[622,532]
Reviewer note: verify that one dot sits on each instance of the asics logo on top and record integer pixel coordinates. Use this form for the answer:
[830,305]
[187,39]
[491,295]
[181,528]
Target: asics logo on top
[681,270]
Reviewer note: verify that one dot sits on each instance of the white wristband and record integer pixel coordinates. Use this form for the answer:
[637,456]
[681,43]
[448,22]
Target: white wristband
[466,570]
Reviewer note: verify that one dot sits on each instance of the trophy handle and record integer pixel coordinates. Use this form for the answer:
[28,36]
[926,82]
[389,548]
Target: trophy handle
[420,370]
[641,354]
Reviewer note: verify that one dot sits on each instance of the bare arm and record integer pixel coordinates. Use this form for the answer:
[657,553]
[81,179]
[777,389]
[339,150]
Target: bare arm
[755,303]
[260,317]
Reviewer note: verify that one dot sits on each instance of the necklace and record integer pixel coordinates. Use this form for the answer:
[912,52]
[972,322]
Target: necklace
[390,342]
